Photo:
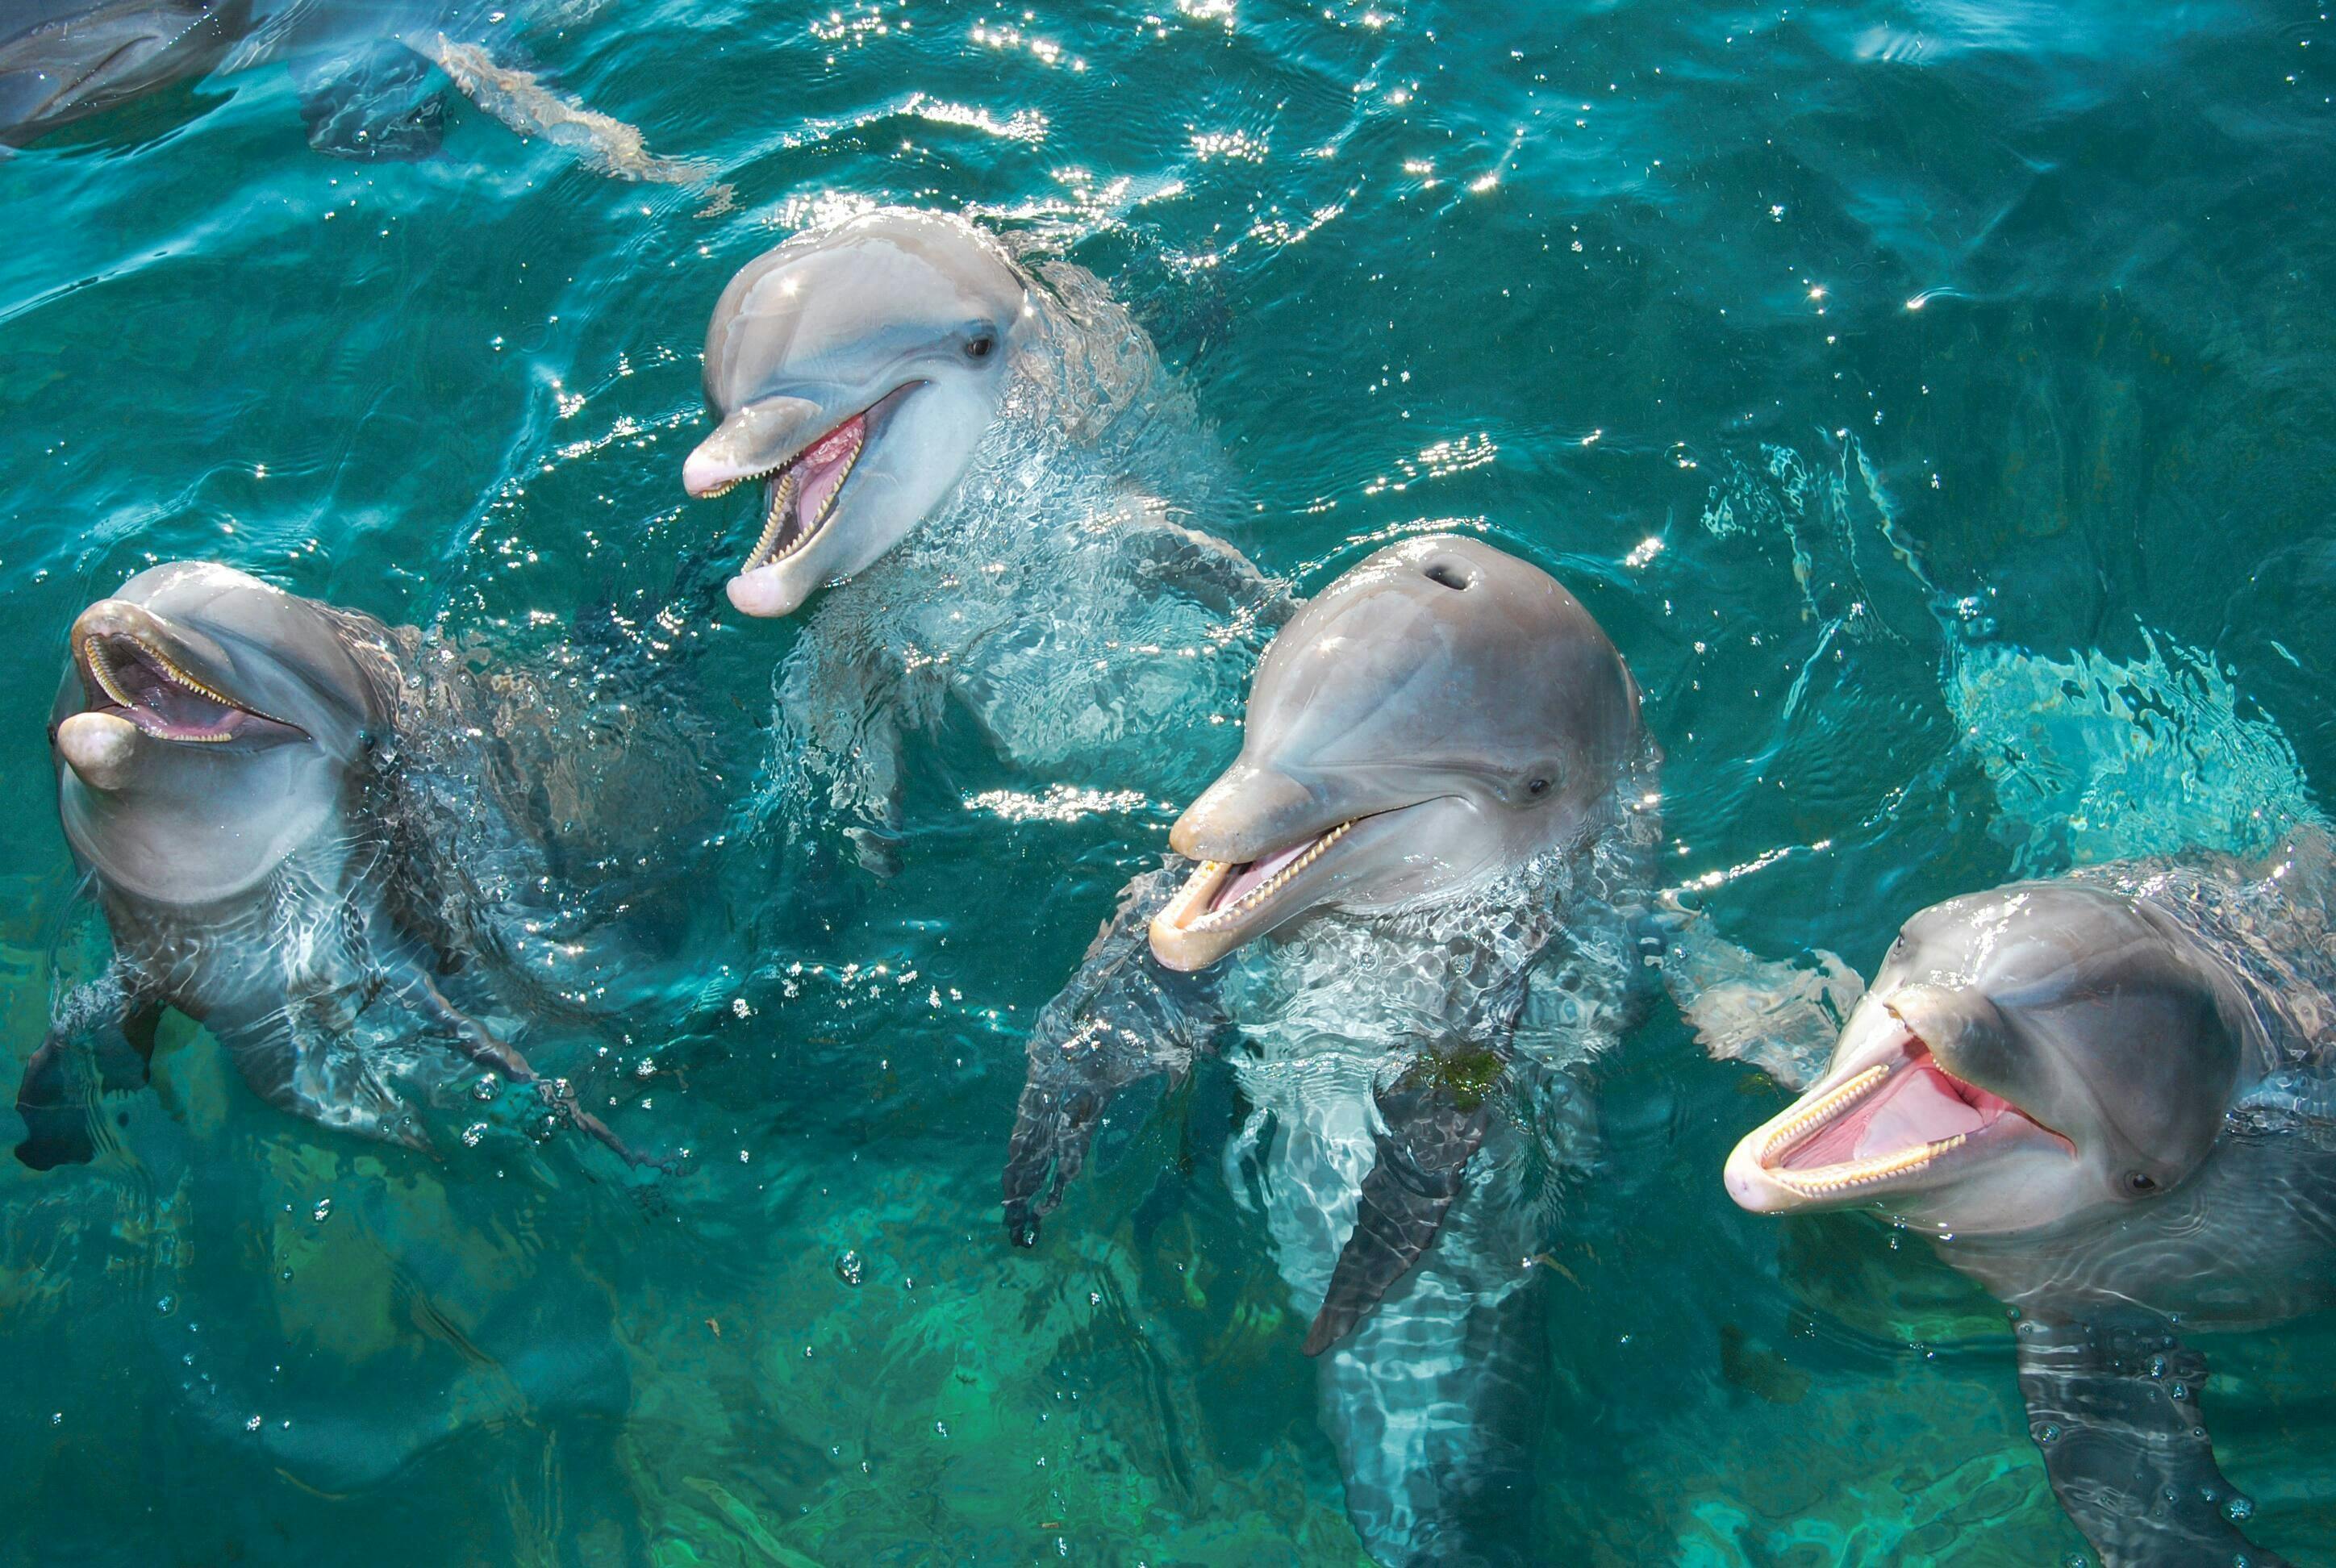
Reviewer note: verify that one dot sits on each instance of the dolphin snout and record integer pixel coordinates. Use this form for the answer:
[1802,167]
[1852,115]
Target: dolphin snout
[749,443]
[102,748]
[1249,810]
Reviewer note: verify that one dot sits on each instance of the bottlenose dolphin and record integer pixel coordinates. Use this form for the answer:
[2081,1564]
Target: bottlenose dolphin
[1415,896]
[987,449]
[2109,1097]
[240,774]
[364,69]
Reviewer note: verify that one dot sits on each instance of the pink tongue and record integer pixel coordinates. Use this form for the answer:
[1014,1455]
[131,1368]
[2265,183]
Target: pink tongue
[1918,1106]
[819,470]
[1254,875]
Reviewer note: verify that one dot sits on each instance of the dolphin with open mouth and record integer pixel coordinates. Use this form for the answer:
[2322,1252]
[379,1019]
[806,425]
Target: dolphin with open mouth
[236,771]
[1407,914]
[2110,1098]
[984,454]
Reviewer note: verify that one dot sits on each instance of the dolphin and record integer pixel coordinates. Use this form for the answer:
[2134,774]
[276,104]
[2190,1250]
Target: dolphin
[1002,440]
[369,73]
[234,770]
[2109,1098]
[1408,913]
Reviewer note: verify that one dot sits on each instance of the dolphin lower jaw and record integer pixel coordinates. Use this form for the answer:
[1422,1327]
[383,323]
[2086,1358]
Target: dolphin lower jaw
[128,674]
[1901,1123]
[804,495]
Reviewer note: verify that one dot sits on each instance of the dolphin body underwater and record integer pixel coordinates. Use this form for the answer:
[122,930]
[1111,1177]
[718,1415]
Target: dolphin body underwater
[2111,1099]
[982,454]
[1408,916]
[296,842]
[364,70]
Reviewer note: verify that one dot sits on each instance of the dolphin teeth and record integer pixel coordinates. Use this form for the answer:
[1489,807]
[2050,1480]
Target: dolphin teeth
[1863,1172]
[1259,895]
[1816,1116]
[100,665]
[781,505]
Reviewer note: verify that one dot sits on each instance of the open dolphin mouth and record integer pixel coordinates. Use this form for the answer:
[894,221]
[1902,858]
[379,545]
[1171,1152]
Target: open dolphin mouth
[1221,894]
[126,675]
[1898,1117]
[801,494]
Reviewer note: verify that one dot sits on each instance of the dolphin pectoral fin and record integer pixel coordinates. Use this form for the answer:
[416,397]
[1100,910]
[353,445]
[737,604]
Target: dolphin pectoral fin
[1423,1161]
[1782,1018]
[1121,1019]
[105,1024]
[488,1050]
[2115,1414]
[380,101]
[521,100]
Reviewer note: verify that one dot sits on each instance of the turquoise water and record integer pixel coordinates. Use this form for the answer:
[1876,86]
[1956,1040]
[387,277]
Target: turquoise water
[1933,401]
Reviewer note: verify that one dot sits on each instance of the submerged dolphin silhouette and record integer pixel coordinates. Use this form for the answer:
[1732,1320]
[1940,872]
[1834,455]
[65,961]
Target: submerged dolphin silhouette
[364,69]
[1414,899]
[2111,1099]
[233,773]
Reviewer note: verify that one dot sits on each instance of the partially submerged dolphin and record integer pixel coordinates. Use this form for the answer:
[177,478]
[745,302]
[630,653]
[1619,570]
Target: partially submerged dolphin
[2110,1097]
[1414,897]
[234,777]
[363,67]
[990,448]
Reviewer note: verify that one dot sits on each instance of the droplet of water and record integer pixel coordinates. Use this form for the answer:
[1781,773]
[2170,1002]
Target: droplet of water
[324,1209]
[486,1089]
[2048,1433]
[940,1429]
[252,1424]
[57,1418]
[2238,1508]
[849,1268]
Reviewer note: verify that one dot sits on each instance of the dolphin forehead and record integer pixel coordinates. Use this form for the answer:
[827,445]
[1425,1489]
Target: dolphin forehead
[832,304]
[1443,650]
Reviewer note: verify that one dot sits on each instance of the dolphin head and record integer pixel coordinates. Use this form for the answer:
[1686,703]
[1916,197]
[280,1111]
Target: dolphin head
[2025,1058]
[207,728]
[1441,714]
[855,369]
[73,58]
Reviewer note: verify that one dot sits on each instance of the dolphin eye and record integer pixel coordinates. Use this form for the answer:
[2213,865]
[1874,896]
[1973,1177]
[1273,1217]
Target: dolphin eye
[2140,1182]
[981,345]
[1536,787]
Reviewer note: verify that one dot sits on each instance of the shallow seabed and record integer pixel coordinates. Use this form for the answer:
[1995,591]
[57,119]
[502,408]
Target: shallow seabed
[1934,401]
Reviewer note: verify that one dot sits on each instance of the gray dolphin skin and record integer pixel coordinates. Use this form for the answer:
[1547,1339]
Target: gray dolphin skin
[229,778]
[986,456]
[855,371]
[368,71]
[1408,915]
[2109,1099]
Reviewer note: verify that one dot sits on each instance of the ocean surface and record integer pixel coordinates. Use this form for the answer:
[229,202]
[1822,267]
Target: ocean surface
[1936,401]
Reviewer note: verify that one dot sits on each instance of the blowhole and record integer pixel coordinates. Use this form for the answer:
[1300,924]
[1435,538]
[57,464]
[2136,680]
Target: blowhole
[1448,574]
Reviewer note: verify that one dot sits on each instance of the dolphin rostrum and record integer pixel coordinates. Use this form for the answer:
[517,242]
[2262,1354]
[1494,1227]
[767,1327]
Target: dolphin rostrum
[1411,906]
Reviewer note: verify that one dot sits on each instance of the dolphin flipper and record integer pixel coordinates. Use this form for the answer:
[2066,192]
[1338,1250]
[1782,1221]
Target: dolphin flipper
[520,100]
[2116,1413]
[105,1022]
[1123,1018]
[1423,1161]
[378,101]
[1782,1018]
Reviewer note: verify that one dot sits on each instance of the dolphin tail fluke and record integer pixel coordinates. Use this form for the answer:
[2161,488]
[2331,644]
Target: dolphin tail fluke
[1422,1160]
[2115,1414]
[521,100]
